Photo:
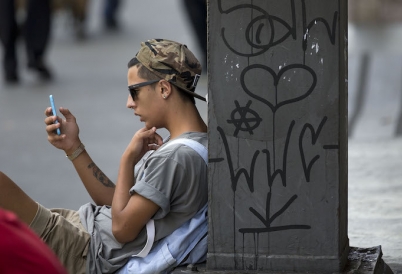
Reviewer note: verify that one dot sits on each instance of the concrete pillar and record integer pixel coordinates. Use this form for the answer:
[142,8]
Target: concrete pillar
[278,135]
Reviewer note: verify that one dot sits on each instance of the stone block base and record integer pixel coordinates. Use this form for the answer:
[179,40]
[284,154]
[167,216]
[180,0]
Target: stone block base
[360,261]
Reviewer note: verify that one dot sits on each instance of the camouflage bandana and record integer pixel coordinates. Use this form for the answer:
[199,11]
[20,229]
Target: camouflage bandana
[173,62]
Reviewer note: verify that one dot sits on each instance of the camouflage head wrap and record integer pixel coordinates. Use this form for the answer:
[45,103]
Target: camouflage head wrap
[173,62]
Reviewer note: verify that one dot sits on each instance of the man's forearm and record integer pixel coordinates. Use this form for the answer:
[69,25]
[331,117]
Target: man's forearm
[99,186]
[125,182]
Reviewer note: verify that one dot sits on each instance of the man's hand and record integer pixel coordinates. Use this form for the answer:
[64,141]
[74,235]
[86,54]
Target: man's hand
[68,140]
[142,141]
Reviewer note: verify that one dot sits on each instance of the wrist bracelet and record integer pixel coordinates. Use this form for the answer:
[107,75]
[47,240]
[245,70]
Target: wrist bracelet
[76,152]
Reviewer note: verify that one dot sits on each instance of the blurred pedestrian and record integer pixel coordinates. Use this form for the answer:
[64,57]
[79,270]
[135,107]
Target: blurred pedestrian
[196,11]
[22,251]
[110,13]
[36,32]
[79,12]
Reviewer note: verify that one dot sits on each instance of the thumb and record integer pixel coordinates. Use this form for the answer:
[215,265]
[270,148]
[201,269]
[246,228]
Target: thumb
[67,114]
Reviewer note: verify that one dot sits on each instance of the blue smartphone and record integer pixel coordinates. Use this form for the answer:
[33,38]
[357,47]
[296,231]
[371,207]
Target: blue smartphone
[54,112]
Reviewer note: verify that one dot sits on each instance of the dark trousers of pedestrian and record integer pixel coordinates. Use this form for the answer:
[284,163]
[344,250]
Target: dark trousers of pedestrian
[35,30]
[110,13]
[197,14]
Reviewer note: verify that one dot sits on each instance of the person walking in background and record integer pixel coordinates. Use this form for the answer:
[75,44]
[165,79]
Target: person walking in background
[196,11]
[36,32]
[110,14]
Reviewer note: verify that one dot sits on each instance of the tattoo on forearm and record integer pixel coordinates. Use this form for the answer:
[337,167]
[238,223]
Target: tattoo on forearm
[100,176]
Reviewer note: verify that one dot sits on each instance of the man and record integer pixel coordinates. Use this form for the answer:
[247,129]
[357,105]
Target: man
[170,186]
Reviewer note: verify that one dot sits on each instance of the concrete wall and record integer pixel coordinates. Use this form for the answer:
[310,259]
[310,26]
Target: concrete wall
[277,135]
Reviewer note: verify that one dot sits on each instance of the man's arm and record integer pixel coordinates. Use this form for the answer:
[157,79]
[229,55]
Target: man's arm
[98,185]
[130,213]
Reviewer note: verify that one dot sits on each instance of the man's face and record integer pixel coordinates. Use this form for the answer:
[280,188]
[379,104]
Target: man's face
[147,102]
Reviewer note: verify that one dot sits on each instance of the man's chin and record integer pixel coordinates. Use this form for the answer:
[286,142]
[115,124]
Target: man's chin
[149,126]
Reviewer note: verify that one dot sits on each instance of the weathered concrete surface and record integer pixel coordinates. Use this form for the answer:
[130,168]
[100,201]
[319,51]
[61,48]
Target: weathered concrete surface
[278,135]
[360,261]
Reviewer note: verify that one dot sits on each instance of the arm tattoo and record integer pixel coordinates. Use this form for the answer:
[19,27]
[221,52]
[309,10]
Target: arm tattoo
[100,176]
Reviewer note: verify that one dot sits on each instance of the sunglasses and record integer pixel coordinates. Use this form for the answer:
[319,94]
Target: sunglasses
[133,89]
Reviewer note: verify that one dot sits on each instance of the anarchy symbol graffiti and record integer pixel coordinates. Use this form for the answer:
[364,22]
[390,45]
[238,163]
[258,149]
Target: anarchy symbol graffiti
[244,118]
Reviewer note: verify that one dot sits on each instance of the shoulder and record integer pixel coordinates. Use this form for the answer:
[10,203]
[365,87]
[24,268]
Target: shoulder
[184,147]
[176,159]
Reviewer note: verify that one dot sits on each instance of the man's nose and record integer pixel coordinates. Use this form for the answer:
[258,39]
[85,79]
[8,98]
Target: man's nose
[130,102]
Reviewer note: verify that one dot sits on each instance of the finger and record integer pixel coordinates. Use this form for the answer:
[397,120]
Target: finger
[153,146]
[147,133]
[52,128]
[155,137]
[55,138]
[151,131]
[154,140]
[51,119]
[142,130]
[158,139]
[48,111]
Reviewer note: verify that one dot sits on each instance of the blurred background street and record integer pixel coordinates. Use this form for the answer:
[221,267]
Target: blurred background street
[90,79]
[375,127]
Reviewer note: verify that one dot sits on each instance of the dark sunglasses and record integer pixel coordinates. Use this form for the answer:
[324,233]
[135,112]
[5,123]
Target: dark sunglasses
[134,88]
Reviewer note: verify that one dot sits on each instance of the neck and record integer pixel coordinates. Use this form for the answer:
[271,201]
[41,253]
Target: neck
[185,119]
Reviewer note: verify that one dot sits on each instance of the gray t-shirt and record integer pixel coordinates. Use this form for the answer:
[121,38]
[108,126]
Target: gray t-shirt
[174,178]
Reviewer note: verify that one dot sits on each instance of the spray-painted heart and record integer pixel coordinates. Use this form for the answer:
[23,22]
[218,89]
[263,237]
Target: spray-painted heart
[277,78]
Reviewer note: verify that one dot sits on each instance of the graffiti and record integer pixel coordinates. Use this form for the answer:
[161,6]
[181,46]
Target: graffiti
[315,134]
[244,119]
[281,172]
[281,90]
[266,26]
[277,78]
[234,178]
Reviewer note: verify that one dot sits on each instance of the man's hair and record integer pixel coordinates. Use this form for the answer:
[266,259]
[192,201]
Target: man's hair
[145,73]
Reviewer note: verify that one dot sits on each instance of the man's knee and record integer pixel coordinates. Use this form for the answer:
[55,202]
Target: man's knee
[3,177]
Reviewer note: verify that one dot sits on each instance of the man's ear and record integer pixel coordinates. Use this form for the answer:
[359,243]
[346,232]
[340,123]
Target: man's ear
[165,88]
